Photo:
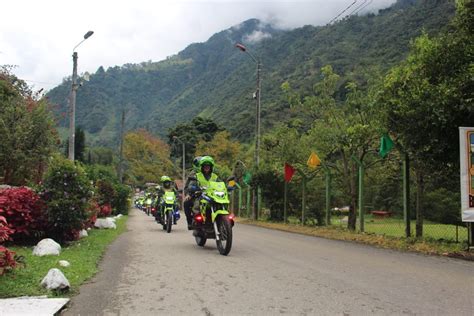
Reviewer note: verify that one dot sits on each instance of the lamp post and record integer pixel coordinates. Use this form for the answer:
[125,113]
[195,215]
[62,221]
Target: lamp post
[257,128]
[184,168]
[72,109]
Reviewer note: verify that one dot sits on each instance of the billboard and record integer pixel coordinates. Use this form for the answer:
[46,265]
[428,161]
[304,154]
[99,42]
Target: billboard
[466,141]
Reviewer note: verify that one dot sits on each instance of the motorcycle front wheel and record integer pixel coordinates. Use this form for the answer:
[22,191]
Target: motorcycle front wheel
[224,244]
[169,221]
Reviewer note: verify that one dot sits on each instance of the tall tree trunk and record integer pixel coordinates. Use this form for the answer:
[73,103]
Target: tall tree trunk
[349,171]
[420,187]
[351,223]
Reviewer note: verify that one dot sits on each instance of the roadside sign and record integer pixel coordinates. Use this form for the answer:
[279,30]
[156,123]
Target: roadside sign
[466,142]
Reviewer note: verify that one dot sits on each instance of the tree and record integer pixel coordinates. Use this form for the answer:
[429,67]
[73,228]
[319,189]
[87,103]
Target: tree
[224,151]
[147,157]
[79,145]
[199,129]
[27,133]
[429,96]
[342,129]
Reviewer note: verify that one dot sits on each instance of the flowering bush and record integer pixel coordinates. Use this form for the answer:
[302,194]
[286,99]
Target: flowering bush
[105,210]
[66,191]
[24,212]
[7,260]
[92,211]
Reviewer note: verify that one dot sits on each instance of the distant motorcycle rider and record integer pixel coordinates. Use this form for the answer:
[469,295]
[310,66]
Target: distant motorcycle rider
[203,175]
[167,185]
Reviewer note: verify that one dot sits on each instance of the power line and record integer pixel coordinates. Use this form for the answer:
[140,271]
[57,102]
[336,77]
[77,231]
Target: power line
[342,12]
[358,7]
[357,11]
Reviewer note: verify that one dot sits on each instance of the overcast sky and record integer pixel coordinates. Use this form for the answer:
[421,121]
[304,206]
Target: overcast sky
[39,36]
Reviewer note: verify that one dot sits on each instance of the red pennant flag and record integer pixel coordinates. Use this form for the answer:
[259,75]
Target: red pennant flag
[289,172]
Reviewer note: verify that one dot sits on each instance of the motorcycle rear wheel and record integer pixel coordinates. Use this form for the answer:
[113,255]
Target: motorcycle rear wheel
[200,240]
[224,244]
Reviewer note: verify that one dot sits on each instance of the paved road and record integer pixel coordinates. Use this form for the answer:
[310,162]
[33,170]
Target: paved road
[148,272]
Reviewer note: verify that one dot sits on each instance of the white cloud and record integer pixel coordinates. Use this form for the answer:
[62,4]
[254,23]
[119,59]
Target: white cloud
[256,36]
[39,36]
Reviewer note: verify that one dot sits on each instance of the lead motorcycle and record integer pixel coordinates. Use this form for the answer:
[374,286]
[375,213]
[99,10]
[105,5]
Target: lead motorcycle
[214,220]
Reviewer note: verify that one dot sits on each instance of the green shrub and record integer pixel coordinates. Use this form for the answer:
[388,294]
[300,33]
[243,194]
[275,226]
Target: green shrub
[66,190]
[121,202]
[443,206]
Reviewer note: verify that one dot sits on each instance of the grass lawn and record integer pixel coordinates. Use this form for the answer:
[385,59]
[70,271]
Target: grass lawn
[83,255]
[396,227]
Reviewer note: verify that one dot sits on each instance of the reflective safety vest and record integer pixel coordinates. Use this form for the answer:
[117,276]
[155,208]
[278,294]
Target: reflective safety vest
[202,181]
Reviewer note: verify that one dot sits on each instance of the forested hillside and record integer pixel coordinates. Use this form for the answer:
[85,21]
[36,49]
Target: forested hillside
[216,80]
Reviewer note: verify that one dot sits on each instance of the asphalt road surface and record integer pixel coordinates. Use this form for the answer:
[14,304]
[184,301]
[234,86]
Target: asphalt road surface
[149,272]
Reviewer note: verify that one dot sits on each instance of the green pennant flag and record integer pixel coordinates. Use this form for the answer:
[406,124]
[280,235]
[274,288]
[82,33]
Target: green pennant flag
[386,144]
[247,177]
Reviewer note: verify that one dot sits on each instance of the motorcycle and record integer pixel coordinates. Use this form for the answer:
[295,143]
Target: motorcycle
[214,220]
[169,211]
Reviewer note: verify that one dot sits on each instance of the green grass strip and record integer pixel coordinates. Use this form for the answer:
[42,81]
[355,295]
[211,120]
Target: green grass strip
[83,255]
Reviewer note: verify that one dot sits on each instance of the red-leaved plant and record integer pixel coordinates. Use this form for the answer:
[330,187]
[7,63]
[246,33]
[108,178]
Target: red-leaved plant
[7,257]
[105,210]
[7,260]
[5,231]
[23,210]
[92,211]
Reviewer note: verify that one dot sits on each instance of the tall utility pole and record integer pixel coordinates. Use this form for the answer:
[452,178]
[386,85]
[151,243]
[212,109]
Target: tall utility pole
[122,128]
[72,103]
[256,190]
[184,168]
[72,108]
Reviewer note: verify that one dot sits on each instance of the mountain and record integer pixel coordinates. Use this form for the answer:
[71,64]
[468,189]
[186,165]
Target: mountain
[214,79]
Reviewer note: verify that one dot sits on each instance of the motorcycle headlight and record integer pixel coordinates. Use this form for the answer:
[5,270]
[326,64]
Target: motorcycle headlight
[169,198]
[219,193]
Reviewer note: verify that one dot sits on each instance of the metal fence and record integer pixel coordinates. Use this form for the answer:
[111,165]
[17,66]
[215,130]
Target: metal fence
[379,223]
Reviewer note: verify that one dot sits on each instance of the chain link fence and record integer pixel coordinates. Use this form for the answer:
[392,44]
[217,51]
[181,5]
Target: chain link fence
[376,222]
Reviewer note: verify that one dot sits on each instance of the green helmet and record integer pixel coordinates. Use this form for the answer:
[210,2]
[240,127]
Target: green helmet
[165,178]
[206,160]
[196,162]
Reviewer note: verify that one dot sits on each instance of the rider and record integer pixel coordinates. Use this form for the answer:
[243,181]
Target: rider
[188,202]
[166,186]
[203,176]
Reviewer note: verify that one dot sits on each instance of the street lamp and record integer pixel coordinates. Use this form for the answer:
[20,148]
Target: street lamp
[257,125]
[72,109]
[176,138]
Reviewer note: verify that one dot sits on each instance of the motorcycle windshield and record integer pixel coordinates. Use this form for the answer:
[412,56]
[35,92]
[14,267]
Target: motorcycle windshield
[218,192]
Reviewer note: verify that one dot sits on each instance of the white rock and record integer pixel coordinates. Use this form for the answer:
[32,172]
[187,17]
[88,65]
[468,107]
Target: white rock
[118,216]
[105,223]
[83,233]
[64,263]
[47,247]
[55,280]
[88,228]
[112,219]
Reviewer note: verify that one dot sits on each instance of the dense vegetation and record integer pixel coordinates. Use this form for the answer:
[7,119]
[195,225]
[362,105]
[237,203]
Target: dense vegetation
[214,79]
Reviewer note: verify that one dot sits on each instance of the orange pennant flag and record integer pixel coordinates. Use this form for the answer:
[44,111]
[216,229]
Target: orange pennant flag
[313,160]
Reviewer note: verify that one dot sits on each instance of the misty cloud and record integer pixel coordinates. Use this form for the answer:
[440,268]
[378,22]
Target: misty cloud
[256,36]
[40,39]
